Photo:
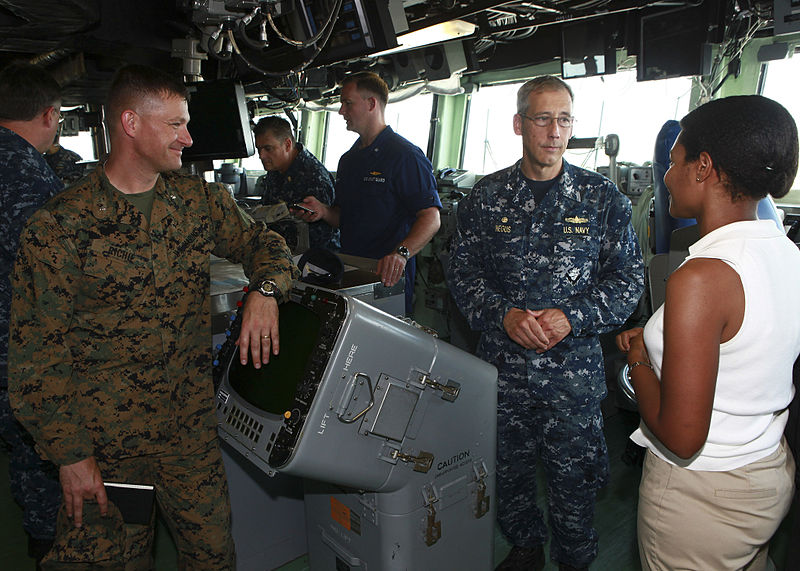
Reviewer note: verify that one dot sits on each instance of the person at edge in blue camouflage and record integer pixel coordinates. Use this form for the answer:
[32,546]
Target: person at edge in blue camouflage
[545,259]
[386,206]
[30,100]
[110,365]
[292,174]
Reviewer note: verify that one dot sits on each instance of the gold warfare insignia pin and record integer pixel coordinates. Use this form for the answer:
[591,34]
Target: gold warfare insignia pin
[576,225]
[576,220]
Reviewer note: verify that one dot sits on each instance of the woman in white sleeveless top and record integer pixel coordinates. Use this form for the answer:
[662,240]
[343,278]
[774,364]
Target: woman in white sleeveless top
[712,368]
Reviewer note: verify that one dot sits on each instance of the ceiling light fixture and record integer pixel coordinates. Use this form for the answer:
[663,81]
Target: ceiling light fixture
[435,34]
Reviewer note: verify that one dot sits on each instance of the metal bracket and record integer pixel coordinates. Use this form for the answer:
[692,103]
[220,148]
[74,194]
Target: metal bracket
[422,461]
[450,391]
[482,499]
[433,527]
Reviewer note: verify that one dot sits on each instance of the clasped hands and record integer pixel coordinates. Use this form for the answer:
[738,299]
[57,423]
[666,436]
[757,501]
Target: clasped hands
[538,329]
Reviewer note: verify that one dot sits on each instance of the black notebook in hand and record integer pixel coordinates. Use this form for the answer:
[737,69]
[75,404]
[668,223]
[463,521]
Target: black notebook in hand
[134,501]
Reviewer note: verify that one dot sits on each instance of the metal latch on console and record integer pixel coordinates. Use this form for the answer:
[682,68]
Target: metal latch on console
[433,527]
[482,499]
[450,391]
[422,461]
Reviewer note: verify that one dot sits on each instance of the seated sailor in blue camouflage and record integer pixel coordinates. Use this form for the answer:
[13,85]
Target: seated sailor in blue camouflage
[65,163]
[545,259]
[111,365]
[30,100]
[292,174]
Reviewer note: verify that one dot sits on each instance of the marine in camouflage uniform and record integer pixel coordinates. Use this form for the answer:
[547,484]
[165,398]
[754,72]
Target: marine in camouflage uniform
[573,249]
[305,176]
[65,164]
[26,183]
[111,355]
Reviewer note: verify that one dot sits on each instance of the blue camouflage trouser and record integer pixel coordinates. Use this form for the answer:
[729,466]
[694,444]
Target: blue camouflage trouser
[34,481]
[570,446]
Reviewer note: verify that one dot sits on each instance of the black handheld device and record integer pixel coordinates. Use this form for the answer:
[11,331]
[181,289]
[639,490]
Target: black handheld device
[298,206]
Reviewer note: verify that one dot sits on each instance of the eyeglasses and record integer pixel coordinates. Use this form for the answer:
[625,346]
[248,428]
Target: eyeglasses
[545,120]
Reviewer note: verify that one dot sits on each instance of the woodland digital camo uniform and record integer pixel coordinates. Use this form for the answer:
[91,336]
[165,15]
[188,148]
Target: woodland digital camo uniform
[306,176]
[110,347]
[575,251]
[26,183]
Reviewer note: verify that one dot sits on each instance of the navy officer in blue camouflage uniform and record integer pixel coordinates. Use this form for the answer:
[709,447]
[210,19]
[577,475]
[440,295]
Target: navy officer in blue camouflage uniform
[292,174]
[545,260]
[30,102]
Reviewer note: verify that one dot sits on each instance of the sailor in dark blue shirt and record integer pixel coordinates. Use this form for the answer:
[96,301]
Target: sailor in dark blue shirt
[386,203]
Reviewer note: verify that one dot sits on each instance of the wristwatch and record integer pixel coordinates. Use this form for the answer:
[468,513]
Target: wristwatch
[403,251]
[635,364]
[268,288]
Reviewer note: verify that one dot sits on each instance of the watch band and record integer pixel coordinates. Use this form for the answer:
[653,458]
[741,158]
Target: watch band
[403,251]
[635,364]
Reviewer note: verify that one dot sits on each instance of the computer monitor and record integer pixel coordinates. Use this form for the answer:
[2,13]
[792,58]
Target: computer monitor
[587,50]
[219,122]
[272,388]
[674,43]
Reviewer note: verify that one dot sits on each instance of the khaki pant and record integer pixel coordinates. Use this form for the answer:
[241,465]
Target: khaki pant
[695,520]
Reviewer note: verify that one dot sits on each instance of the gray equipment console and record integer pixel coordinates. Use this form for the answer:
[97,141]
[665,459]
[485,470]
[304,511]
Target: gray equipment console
[393,429]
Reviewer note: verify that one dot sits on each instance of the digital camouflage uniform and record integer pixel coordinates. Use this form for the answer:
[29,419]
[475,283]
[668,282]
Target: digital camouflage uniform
[65,164]
[575,251]
[110,352]
[306,176]
[26,183]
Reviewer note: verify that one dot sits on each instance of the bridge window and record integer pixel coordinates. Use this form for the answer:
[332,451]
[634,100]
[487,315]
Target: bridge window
[80,143]
[782,83]
[410,118]
[603,105]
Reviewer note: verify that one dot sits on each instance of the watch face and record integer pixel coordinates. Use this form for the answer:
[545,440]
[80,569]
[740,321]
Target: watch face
[267,287]
[403,251]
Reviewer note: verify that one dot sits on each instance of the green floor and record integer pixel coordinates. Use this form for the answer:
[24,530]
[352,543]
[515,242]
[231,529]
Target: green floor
[615,518]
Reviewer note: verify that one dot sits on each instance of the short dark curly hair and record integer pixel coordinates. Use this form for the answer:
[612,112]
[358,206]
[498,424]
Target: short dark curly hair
[752,141]
[277,126]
